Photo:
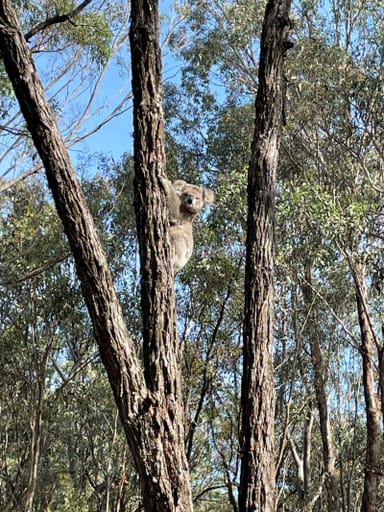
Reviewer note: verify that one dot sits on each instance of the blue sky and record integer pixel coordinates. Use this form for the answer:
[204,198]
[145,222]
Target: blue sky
[69,93]
[115,138]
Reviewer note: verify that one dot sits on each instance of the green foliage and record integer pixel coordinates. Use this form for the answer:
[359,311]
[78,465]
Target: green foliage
[5,90]
[83,457]
[36,244]
[329,212]
[92,29]
[219,39]
[328,203]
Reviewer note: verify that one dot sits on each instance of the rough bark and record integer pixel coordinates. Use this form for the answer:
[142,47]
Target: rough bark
[160,344]
[320,377]
[150,414]
[372,400]
[257,479]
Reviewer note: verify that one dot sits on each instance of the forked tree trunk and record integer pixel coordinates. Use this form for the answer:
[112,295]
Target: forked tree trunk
[303,460]
[373,469]
[257,479]
[149,400]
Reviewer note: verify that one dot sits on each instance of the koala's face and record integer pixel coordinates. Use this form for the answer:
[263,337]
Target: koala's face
[193,198]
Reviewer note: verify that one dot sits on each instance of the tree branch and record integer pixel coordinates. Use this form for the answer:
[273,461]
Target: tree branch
[61,18]
[116,346]
[10,283]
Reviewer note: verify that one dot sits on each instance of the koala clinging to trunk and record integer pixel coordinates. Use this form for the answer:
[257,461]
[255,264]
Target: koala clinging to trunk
[184,202]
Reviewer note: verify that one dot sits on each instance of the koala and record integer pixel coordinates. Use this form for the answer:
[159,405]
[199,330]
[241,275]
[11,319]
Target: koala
[184,202]
[182,245]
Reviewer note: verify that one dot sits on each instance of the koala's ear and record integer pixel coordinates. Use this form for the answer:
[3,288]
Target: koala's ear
[179,186]
[208,196]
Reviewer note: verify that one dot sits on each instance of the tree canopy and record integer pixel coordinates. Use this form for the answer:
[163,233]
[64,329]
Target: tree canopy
[62,443]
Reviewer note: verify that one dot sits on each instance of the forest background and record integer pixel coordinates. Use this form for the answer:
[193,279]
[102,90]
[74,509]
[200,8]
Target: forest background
[329,240]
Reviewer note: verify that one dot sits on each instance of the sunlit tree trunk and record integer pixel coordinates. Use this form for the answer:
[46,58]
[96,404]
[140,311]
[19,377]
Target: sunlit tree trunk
[320,377]
[257,480]
[149,399]
[303,461]
[372,399]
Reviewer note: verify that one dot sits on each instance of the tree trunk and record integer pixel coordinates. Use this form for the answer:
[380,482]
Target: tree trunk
[303,461]
[320,382]
[257,479]
[160,343]
[372,400]
[149,400]
[36,440]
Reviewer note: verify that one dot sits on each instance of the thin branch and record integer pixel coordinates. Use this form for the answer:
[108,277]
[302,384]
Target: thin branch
[11,183]
[56,20]
[119,42]
[75,370]
[115,113]
[354,339]
[207,379]
[14,131]
[207,489]
[47,266]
